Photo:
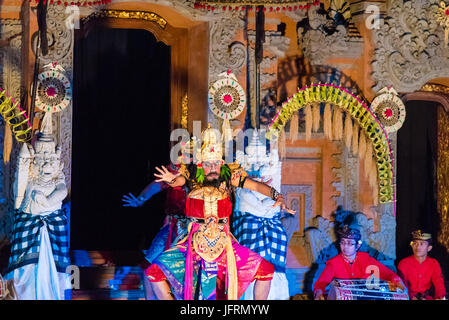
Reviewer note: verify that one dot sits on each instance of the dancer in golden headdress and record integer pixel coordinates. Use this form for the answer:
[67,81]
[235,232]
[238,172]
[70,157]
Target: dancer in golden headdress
[209,263]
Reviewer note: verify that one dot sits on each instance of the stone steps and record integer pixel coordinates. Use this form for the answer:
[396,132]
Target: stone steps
[105,276]
[105,294]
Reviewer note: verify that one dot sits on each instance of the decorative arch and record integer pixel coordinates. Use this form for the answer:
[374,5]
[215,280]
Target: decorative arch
[359,112]
[15,117]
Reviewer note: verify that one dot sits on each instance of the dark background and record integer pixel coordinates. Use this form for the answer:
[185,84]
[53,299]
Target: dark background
[121,123]
[416,180]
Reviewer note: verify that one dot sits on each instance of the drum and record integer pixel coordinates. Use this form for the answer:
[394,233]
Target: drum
[363,289]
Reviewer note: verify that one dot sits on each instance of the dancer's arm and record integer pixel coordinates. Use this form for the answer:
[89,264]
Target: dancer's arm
[150,190]
[266,190]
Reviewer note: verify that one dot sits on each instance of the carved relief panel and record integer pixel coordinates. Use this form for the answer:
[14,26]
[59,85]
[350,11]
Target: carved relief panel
[10,81]
[409,46]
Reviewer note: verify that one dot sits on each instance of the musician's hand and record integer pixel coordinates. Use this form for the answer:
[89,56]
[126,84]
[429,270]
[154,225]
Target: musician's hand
[394,286]
[281,202]
[165,175]
[318,294]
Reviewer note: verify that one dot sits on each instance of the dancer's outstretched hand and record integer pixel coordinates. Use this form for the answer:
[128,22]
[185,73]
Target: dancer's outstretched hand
[281,202]
[131,201]
[165,175]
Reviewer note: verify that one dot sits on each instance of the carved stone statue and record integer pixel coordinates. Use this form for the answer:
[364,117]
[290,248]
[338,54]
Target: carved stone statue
[255,210]
[328,29]
[39,252]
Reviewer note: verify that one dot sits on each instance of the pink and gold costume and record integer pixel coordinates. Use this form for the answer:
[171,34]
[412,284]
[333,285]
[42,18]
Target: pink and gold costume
[209,263]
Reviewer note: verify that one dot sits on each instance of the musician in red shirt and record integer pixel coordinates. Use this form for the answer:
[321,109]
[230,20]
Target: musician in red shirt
[420,272]
[351,264]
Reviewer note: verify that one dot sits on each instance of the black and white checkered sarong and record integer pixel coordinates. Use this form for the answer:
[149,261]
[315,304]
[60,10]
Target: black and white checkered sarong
[26,239]
[264,236]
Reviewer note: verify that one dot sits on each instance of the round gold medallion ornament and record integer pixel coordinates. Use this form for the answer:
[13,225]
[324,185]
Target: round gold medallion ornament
[226,97]
[54,91]
[389,109]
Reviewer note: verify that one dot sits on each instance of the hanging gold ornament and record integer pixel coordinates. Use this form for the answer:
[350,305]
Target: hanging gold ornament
[294,123]
[368,158]
[362,145]
[281,144]
[337,125]
[327,121]
[355,138]
[309,120]
[348,131]
[316,114]
[17,119]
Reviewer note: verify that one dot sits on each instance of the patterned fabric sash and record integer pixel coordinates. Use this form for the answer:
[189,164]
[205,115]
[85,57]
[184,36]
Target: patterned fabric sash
[265,236]
[26,239]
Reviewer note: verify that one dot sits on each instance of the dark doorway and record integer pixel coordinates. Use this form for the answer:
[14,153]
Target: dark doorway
[121,130]
[416,174]
[417,152]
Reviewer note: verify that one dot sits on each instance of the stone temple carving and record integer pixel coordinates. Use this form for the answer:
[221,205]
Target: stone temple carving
[410,47]
[321,36]
[40,183]
[39,252]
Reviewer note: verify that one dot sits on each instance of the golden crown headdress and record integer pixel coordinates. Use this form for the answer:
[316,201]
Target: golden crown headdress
[211,147]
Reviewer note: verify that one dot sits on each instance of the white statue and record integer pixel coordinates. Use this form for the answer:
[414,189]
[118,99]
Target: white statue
[39,252]
[255,209]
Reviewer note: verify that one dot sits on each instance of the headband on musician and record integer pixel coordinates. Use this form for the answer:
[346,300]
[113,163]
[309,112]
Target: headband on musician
[419,235]
[347,232]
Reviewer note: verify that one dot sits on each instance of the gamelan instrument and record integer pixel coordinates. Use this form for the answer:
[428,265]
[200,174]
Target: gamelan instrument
[363,289]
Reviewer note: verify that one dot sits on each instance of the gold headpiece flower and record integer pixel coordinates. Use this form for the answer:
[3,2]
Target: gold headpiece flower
[418,235]
[211,148]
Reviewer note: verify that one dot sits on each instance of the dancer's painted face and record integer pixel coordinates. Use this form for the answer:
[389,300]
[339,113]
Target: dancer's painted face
[211,169]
